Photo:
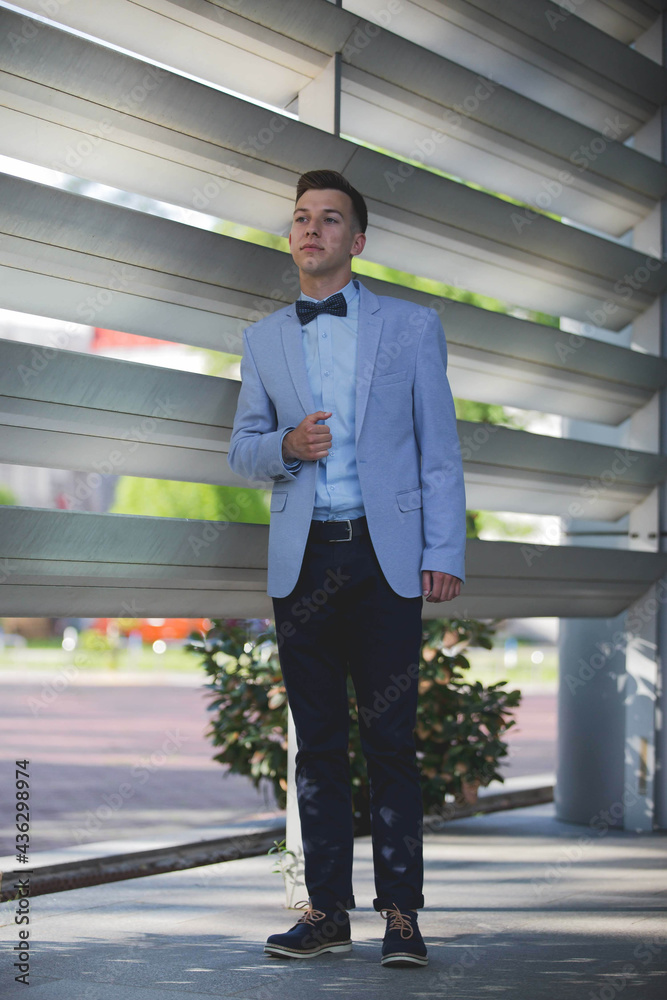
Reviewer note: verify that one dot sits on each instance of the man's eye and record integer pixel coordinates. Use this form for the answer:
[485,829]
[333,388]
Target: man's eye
[330,218]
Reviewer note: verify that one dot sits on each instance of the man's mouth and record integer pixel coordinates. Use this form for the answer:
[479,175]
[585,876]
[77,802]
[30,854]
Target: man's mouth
[310,246]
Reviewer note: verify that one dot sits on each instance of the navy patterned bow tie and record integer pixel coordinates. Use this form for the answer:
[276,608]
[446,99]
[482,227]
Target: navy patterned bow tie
[307,311]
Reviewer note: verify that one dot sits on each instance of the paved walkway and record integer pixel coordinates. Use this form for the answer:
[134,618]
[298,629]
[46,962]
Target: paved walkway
[89,735]
[518,905]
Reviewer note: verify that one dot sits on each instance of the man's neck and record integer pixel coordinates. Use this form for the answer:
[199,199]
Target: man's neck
[322,287]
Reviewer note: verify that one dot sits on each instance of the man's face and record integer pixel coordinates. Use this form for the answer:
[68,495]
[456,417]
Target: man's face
[323,236]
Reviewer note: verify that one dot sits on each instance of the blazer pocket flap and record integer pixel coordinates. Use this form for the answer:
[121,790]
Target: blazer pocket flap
[278,499]
[410,499]
[390,378]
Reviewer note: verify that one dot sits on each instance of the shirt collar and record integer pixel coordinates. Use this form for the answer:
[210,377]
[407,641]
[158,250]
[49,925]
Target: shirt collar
[350,291]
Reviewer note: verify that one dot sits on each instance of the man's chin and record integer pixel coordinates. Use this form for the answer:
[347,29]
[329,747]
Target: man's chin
[312,266]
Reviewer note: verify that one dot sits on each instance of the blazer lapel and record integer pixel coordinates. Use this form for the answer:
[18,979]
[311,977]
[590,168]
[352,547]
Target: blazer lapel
[368,339]
[296,363]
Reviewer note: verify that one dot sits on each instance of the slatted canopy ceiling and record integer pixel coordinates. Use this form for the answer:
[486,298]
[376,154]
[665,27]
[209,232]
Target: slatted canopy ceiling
[625,20]
[74,258]
[538,50]
[185,142]
[72,104]
[92,414]
[393,95]
[79,563]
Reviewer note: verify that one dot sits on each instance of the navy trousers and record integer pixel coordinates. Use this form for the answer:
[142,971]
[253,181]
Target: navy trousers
[343,616]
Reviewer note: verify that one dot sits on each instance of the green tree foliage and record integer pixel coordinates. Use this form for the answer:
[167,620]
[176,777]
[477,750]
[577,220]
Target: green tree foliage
[7,497]
[486,413]
[197,501]
[460,724]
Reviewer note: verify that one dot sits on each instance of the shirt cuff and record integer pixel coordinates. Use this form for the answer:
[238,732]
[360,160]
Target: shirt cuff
[290,466]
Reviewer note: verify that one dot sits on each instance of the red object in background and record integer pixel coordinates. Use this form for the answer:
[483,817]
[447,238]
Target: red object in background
[151,629]
[103,339]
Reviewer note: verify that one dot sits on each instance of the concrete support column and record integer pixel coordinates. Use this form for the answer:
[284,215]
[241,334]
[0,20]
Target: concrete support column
[661,692]
[612,746]
[589,776]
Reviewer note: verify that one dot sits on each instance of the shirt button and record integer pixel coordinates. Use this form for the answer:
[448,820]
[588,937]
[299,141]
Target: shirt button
[326,373]
[324,336]
[332,488]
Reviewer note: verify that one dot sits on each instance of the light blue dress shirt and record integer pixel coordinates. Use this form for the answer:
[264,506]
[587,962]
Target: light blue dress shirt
[330,351]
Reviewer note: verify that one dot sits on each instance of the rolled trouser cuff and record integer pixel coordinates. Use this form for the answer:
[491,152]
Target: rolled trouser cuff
[330,905]
[384,903]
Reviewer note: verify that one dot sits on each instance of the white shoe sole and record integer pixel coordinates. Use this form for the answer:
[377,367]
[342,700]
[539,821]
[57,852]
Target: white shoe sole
[282,952]
[404,958]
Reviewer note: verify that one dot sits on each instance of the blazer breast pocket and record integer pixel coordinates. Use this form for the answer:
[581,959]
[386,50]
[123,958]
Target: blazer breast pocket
[278,500]
[410,499]
[389,379]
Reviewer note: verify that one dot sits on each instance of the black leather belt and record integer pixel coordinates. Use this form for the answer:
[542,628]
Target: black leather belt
[338,531]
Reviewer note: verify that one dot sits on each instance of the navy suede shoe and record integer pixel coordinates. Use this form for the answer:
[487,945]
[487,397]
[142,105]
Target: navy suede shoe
[403,943]
[314,933]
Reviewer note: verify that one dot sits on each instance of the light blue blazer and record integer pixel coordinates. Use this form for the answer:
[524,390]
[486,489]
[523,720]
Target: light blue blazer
[407,447]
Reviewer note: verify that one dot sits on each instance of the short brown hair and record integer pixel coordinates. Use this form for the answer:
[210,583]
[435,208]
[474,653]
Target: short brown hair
[322,180]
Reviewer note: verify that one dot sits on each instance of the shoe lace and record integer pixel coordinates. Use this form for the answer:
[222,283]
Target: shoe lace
[311,914]
[398,921]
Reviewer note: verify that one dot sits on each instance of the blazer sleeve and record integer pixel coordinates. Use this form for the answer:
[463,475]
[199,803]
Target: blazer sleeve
[443,490]
[255,446]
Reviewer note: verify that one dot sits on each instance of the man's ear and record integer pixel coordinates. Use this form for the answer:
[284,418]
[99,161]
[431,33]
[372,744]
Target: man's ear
[289,240]
[358,244]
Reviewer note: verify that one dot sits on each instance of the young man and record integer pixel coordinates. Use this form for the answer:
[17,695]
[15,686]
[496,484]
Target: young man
[346,406]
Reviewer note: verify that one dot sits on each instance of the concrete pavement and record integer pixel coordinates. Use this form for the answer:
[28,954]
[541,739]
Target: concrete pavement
[518,904]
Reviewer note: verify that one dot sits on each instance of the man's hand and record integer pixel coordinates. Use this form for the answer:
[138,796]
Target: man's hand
[309,441]
[439,586]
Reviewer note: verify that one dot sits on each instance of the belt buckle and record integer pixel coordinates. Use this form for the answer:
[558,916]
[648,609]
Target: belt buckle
[349,528]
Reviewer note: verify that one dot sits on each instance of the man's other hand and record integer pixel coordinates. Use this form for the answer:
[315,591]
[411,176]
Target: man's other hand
[439,586]
[309,441]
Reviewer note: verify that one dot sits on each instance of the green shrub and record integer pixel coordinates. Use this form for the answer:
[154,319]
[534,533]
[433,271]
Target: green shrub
[459,729]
